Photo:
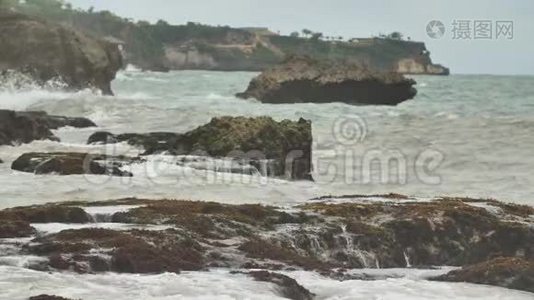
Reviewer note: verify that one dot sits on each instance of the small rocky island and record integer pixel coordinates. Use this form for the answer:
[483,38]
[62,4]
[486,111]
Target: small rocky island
[303,79]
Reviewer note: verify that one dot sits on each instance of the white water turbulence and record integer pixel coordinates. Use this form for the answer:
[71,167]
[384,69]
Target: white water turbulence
[475,130]
[19,284]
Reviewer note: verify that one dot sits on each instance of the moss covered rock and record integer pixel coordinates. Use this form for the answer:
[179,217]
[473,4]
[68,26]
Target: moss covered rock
[509,272]
[154,236]
[68,163]
[274,148]
[133,251]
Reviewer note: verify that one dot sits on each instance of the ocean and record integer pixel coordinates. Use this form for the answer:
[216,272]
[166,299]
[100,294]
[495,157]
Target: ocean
[462,135]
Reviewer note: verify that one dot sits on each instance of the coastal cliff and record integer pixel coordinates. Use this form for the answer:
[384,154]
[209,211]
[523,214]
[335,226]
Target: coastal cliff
[193,46]
[264,51]
[45,51]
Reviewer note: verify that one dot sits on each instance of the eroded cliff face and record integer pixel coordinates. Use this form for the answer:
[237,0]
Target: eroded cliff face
[404,57]
[188,58]
[47,51]
[412,66]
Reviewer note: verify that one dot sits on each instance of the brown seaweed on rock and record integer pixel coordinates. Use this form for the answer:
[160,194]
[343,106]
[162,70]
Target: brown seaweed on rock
[508,272]
[328,237]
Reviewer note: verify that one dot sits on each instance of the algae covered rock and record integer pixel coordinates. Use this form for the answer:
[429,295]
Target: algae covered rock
[15,229]
[289,287]
[46,214]
[134,251]
[303,79]
[508,272]
[281,149]
[328,236]
[70,163]
[48,297]
[27,126]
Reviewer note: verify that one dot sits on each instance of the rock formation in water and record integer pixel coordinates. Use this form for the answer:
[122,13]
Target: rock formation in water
[47,297]
[15,222]
[15,228]
[289,287]
[65,163]
[508,272]
[274,148]
[328,236]
[25,127]
[48,51]
[302,79]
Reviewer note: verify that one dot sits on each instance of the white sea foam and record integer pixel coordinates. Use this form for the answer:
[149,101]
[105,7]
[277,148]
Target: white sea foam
[51,228]
[17,284]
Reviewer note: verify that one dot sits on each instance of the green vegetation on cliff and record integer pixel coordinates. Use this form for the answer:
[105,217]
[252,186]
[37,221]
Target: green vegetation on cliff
[163,46]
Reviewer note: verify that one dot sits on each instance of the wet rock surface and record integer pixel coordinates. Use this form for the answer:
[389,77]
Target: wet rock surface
[15,229]
[25,127]
[509,272]
[303,79]
[273,148]
[289,287]
[52,51]
[136,251]
[65,163]
[55,122]
[47,297]
[327,236]
[46,214]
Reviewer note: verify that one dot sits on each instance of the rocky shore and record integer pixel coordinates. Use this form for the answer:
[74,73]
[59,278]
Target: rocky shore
[329,236]
[303,79]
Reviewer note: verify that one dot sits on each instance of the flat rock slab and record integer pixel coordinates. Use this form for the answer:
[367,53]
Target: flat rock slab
[68,163]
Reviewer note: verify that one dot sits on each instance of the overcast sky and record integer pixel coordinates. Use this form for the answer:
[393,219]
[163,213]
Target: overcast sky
[354,18]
